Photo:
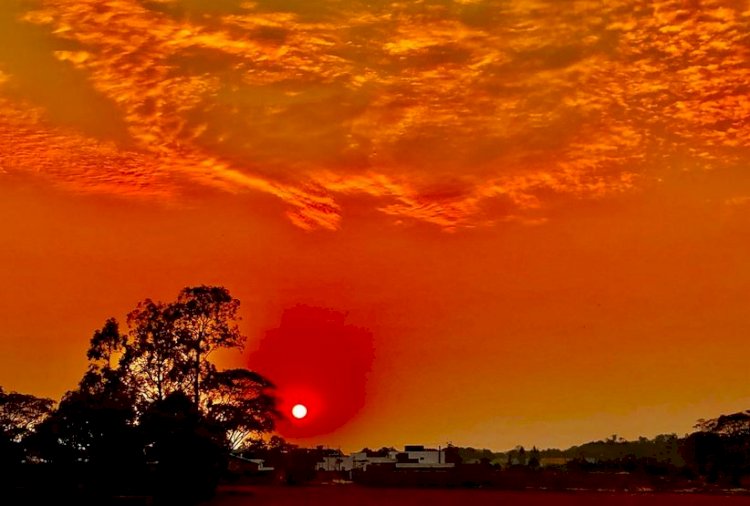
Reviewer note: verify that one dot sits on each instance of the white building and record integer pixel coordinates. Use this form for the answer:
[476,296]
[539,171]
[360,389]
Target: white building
[240,464]
[419,457]
[413,457]
[338,462]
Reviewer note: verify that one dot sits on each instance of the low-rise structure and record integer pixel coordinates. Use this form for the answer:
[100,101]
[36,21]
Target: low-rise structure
[336,462]
[413,457]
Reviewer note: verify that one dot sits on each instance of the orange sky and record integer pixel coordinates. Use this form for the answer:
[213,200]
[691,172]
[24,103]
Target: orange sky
[538,208]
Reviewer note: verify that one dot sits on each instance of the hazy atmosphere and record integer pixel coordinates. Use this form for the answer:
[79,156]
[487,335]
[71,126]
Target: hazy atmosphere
[485,222]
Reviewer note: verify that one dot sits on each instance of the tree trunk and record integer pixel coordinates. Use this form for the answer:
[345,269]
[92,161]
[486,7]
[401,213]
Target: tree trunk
[197,380]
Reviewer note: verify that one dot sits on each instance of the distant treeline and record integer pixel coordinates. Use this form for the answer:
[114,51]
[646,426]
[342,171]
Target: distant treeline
[662,448]
[717,453]
[714,458]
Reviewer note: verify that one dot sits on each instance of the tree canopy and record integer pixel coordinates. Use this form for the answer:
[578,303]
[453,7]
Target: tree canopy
[21,413]
[152,396]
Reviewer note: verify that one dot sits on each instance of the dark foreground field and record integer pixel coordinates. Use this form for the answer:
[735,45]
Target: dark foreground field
[359,496]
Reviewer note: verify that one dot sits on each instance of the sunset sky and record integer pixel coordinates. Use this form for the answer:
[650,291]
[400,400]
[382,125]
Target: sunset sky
[528,221]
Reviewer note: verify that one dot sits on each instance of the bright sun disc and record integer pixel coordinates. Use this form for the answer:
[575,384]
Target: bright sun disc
[299,411]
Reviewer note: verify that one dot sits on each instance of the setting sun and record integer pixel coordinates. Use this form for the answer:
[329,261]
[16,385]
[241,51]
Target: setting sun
[299,411]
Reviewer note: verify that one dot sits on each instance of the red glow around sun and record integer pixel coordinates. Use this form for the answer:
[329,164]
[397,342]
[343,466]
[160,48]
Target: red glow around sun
[319,361]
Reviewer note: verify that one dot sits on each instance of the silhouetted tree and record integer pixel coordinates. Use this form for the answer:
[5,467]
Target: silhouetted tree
[105,345]
[152,396]
[703,452]
[207,321]
[21,413]
[94,426]
[453,454]
[187,451]
[168,350]
[238,401]
[150,399]
[534,458]
[733,425]
[721,448]
[152,354]
[272,450]
[521,456]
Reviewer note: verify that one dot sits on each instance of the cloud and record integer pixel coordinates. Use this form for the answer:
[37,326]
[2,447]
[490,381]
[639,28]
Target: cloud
[438,109]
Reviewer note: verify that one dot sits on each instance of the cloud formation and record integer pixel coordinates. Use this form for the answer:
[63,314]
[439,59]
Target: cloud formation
[452,112]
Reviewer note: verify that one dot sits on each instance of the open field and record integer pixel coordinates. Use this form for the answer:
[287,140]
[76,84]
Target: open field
[359,496]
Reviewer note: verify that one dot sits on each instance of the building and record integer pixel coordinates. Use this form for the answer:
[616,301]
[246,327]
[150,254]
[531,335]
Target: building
[336,462]
[413,457]
[417,456]
[249,470]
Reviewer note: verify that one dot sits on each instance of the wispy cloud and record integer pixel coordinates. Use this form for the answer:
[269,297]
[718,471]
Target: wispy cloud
[439,109]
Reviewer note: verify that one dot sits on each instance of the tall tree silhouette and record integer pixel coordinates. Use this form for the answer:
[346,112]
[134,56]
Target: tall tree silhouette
[168,349]
[92,437]
[152,396]
[207,321]
[152,353]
